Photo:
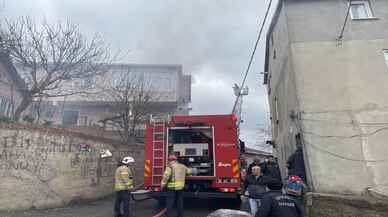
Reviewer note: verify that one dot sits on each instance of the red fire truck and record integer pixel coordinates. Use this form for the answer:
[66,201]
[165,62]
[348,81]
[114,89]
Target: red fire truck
[207,143]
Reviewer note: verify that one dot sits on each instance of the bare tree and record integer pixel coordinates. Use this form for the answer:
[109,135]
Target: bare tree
[50,56]
[132,96]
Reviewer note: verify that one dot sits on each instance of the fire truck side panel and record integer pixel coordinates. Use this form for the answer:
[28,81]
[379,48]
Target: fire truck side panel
[226,154]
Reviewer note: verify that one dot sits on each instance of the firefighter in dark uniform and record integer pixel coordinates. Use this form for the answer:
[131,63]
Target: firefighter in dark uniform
[173,182]
[277,204]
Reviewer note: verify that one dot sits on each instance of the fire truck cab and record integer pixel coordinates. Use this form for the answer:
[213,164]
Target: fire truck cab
[206,143]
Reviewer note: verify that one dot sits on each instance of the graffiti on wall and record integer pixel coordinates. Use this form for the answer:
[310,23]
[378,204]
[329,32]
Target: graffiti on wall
[49,157]
[57,167]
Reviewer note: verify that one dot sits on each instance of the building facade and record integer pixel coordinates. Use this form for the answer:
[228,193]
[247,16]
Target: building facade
[329,86]
[11,87]
[168,82]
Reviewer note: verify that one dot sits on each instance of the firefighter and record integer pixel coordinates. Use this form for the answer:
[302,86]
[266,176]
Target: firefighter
[275,203]
[173,183]
[123,185]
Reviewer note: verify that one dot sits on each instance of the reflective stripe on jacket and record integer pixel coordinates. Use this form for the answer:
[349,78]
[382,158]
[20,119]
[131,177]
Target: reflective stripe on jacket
[123,179]
[174,176]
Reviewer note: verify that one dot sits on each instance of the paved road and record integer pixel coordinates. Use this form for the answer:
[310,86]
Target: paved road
[103,208]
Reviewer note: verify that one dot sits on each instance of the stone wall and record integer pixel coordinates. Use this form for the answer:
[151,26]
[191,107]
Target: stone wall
[45,168]
[332,205]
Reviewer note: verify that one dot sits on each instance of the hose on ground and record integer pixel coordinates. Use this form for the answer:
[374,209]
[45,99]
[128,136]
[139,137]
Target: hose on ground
[138,187]
[161,213]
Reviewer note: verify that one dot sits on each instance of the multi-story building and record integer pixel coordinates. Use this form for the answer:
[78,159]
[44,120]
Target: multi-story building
[326,72]
[172,87]
[11,87]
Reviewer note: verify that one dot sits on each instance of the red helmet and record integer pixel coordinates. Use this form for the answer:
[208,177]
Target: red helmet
[172,157]
[294,178]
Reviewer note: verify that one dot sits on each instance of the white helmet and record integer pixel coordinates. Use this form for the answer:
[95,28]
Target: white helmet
[127,160]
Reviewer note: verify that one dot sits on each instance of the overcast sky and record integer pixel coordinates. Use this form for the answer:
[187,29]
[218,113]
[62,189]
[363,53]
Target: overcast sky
[212,39]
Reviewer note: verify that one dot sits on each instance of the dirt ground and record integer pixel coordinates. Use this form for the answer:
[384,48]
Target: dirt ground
[104,208]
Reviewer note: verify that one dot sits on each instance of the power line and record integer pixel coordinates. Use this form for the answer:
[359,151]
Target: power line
[348,137]
[316,147]
[340,37]
[350,122]
[382,108]
[252,55]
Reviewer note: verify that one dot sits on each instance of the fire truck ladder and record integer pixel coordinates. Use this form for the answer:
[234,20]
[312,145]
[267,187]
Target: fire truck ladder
[158,155]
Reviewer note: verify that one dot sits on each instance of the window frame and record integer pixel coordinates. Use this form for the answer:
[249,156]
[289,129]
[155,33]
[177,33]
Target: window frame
[368,8]
[89,82]
[276,105]
[71,110]
[5,104]
[385,55]
[190,151]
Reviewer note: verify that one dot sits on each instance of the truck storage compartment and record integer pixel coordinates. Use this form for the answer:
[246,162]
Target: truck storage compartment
[194,148]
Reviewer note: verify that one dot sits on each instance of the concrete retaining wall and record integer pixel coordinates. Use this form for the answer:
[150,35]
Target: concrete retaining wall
[45,168]
[330,205]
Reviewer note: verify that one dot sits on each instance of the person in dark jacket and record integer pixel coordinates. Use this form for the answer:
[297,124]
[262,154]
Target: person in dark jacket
[256,162]
[271,168]
[295,164]
[255,187]
[277,204]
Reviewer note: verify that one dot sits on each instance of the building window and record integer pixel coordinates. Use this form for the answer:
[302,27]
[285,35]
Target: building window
[4,105]
[361,10]
[89,82]
[118,79]
[269,82]
[48,112]
[70,118]
[190,152]
[276,111]
[265,79]
[83,120]
[386,56]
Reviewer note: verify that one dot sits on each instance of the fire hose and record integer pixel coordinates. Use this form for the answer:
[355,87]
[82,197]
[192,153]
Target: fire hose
[137,191]
[161,213]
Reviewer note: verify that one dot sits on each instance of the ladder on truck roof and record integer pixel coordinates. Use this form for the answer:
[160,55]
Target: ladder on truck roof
[158,150]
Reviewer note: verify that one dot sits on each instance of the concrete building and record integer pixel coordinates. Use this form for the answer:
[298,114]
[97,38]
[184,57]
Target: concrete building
[332,89]
[11,86]
[167,81]
[252,154]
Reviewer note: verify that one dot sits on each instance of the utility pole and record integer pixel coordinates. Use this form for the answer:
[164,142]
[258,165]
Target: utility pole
[239,93]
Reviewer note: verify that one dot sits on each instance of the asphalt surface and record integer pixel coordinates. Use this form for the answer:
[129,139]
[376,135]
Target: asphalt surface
[104,208]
